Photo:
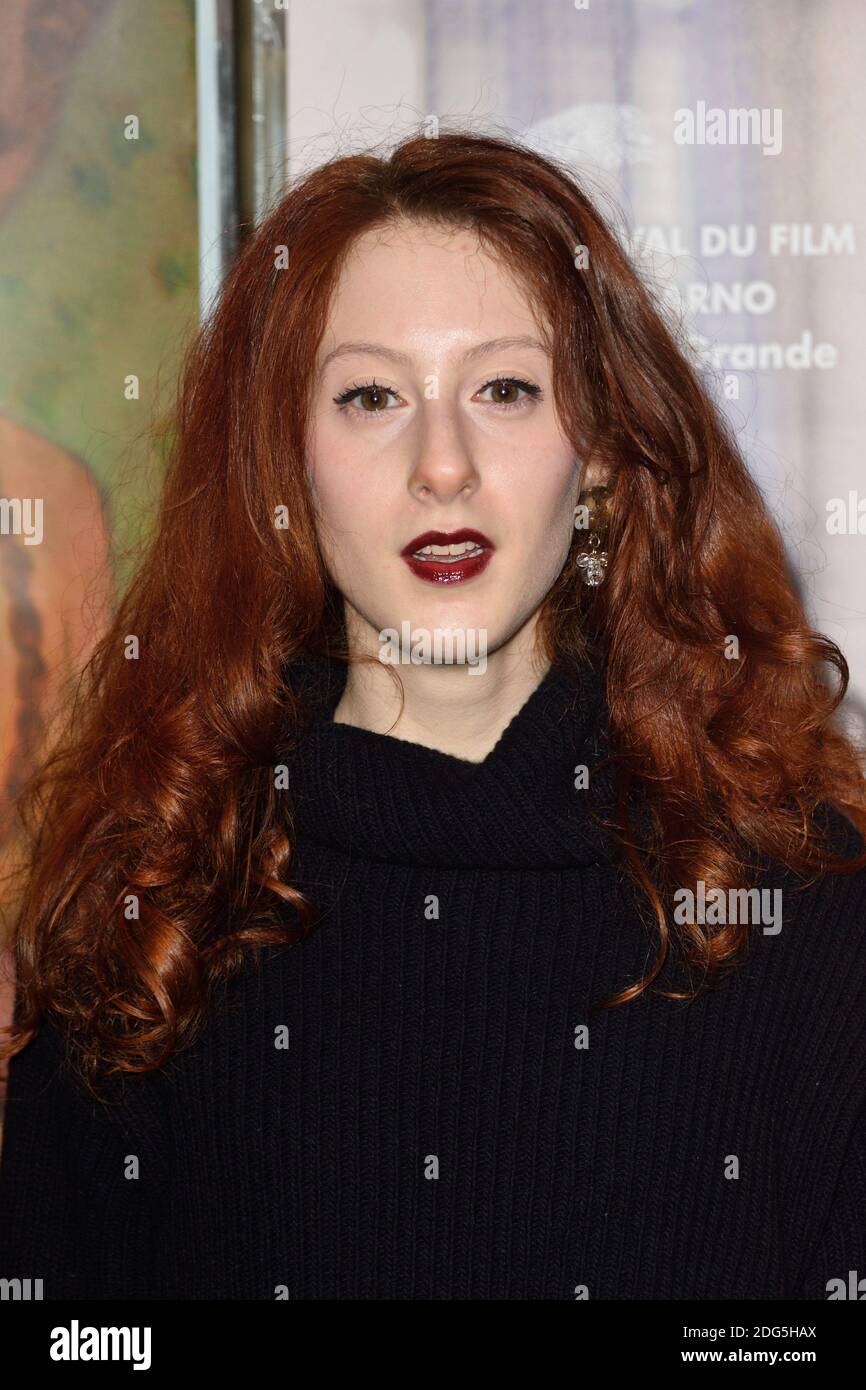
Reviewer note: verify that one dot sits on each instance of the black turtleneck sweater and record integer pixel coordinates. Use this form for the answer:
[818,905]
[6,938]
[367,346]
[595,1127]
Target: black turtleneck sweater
[416,1102]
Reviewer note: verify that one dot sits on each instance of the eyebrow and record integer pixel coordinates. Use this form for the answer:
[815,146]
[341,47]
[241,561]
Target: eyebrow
[405,358]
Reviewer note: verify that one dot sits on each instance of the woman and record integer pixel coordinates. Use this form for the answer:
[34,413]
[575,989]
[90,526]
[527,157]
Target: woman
[337,980]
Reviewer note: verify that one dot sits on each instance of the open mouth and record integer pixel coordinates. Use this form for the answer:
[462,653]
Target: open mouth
[444,554]
[448,558]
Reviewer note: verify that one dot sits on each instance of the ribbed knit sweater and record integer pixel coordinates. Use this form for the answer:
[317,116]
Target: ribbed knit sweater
[416,1102]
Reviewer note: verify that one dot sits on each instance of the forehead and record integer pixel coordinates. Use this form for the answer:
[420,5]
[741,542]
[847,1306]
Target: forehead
[409,279]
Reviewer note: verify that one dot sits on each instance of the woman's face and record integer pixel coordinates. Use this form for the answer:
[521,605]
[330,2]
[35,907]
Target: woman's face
[433,412]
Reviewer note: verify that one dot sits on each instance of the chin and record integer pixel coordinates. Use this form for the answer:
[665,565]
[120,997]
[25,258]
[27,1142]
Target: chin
[431,636]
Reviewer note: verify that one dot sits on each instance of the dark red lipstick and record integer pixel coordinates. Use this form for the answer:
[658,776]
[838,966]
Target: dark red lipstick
[448,569]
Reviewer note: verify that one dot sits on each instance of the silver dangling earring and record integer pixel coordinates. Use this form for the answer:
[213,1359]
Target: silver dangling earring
[592,516]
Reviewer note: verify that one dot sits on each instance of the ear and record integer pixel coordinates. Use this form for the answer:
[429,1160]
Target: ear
[595,474]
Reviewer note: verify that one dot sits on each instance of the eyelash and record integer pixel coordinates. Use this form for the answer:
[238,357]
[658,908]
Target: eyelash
[533,392]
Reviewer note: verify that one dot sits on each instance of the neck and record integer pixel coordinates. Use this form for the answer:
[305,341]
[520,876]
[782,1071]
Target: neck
[364,792]
[456,709]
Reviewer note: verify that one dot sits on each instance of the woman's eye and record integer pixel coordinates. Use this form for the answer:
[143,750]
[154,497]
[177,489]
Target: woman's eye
[371,397]
[511,391]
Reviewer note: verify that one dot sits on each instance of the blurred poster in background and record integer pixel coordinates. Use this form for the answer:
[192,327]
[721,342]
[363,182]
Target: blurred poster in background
[98,284]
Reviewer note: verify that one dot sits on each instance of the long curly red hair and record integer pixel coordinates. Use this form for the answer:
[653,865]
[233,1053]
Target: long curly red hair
[159,847]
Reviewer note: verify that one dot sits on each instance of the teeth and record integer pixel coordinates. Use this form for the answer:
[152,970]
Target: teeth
[461,548]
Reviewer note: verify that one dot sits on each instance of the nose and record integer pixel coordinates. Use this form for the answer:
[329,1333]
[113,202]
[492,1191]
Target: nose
[443,467]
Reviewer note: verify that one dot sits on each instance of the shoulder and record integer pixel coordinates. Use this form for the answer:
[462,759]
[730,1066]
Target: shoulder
[829,908]
[821,904]
[49,1103]
[804,975]
[807,973]
[843,837]
[814,923]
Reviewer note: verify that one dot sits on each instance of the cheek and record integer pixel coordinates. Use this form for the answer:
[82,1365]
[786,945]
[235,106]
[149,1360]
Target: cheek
[542,498]
[339,490]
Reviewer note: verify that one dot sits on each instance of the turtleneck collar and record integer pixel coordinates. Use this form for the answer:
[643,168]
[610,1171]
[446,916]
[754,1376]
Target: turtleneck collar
[387,799]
